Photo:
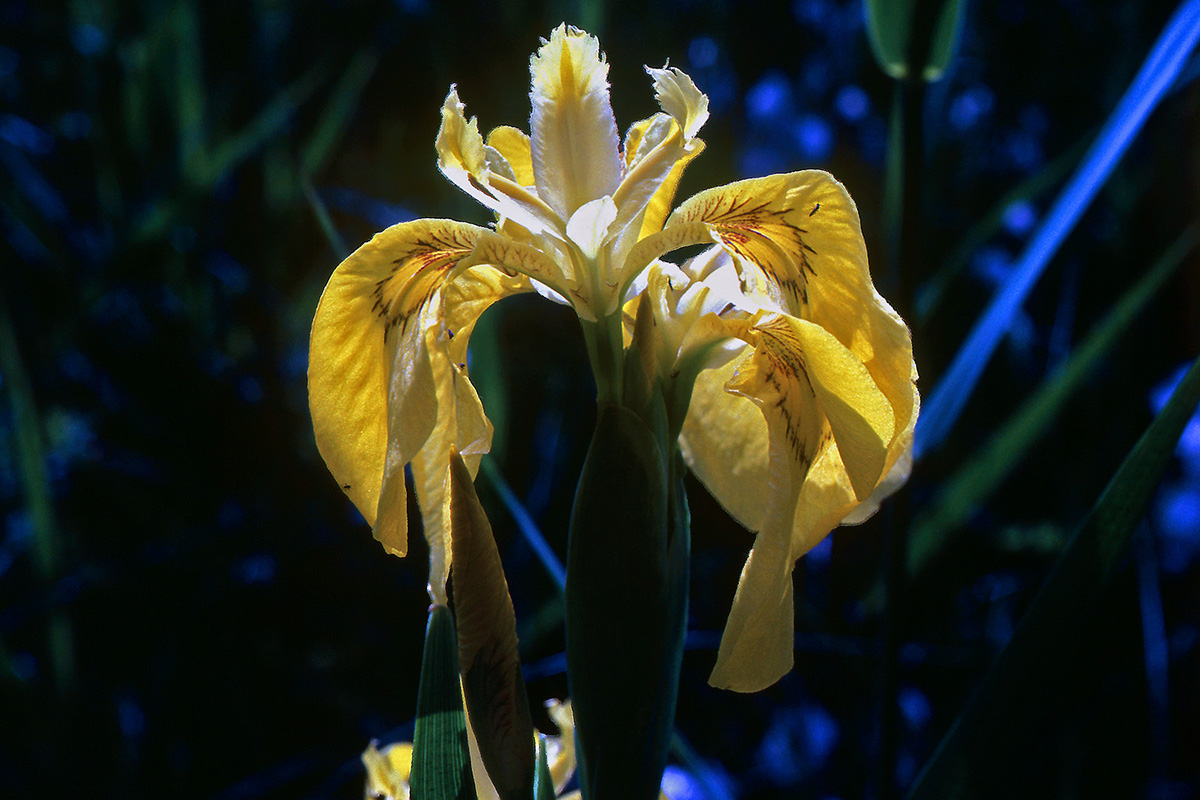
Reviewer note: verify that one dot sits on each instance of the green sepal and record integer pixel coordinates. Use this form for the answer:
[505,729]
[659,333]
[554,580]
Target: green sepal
[543,782]
[986,747]
[441,764]
[626,606]
[889,23]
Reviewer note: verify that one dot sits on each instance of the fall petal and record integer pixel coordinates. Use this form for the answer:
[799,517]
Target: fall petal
[724,442]
[859,415]
[756,647]
[387,380]
[375,299]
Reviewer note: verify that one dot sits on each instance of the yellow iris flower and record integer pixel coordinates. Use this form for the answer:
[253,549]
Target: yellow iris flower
[799,375]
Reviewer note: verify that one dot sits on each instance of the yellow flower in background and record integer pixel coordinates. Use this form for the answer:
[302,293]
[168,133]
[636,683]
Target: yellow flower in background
[799,375]
[389,770]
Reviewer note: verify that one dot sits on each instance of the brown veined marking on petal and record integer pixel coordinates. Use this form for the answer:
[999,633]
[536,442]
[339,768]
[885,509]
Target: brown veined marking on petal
[748,227]
[414,279]
[786,374]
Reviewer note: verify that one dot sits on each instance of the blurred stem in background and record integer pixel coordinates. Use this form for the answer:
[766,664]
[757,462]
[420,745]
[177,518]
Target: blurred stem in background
[47,537]
[913,42]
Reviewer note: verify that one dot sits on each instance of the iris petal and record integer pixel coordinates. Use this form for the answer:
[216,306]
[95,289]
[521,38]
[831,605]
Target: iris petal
[387,372]
[574,134]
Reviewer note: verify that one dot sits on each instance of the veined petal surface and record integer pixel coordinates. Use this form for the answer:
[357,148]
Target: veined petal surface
[387,380]
[574,134]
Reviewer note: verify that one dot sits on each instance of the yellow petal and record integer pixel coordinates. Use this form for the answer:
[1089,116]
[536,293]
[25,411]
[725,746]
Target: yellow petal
[678,96]
[518,258]
[387,771]
[463,158]
[560,749]
[589,225]
[574,134]
[799,243]
[766,222]
[819,404]
[756,647]
[660,204]
[460,423]
[373,297]
[513,144]
[724,442]
[386,372]
[459,144]
[860,417]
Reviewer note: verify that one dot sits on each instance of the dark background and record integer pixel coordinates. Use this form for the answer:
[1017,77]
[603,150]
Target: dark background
[190,608]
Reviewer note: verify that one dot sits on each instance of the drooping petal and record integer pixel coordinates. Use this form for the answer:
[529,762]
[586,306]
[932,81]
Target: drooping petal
[756,647]
[828,432]
[574,134]
[384,379]
[799,241]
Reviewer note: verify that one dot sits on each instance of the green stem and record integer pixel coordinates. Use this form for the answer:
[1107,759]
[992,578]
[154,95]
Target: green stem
[626,608]
[906,262]
[605,351]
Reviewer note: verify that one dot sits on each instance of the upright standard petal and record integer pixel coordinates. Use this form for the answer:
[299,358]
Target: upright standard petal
[574,134]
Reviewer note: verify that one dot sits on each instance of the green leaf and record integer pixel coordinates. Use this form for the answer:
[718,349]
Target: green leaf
[626,605]
[189,93]
[49,550]
[441,765]
[980,476]
[985,748]
[543,785]
[321,212]
[487,644]
[889,23]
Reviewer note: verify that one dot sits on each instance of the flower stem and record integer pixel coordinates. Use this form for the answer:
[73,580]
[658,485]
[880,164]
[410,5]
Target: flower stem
[605,351]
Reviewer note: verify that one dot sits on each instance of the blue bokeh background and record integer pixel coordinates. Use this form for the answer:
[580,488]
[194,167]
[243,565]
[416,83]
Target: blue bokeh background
[190,608]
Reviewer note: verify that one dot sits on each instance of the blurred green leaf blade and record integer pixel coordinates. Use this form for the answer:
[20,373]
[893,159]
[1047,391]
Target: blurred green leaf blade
[972,483]
[986,745]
